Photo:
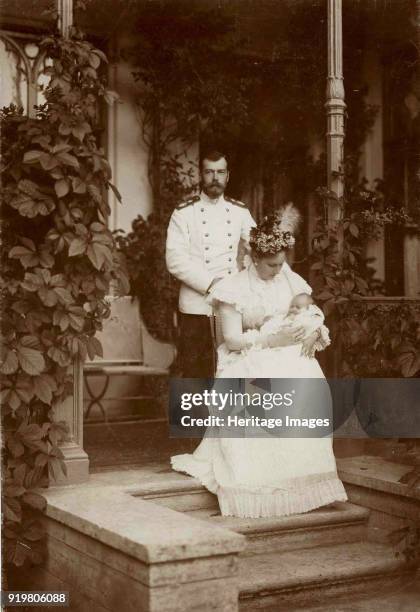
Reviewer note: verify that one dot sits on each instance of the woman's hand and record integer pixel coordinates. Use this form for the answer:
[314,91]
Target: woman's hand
[308,345]
[286,336]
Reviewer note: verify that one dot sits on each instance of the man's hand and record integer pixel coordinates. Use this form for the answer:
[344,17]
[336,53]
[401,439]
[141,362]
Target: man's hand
[308,345]
[213,282]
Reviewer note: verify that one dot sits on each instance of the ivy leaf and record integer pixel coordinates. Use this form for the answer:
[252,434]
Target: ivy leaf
[94,60]
[361,284]
[95,193]
[61,319]
[409,363]
[34,533]
[35,478]
[97,227]
[101,54]
[61,188]
[48,296]
[354,230]
[111,97]
[79,131]
[14,490]
[43,388]
[15,446]
[29,433]
[77,320]
[35,501]
[69,160]
[64,129]
[41,460]
[19,473]
[28,258]
[94,347]
[29,207]
[78,185]
[64,295]
[32,157]
[31,282]
[17,391]
[45,258]
[59,356]
[328,307]
[325,295]
[31,360]
[12,510]
[21,552]
[77,247]
[9,532]
[55,465]
[317,265]
[348,285]
[48,162]
[332,284]
[58,432]
[98,254]
[10,364]
[59,148]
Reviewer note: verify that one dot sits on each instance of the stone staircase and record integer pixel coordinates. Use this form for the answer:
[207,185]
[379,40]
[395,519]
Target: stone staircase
[291,563]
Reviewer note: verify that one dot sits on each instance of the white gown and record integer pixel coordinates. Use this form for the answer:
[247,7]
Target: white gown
[264,477]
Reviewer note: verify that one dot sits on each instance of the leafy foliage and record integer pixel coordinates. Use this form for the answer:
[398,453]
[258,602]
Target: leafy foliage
[144,252]
[378,339]
[381,340]
[58,258]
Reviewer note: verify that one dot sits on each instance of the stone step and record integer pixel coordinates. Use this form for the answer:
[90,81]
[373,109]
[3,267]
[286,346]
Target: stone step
[288,580]
[340,522]
[404,599]
[178,492]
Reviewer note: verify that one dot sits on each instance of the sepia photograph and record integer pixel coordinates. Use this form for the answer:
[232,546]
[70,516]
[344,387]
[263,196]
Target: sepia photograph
[210,305]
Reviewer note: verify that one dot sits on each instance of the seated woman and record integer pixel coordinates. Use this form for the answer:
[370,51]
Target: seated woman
[265,476]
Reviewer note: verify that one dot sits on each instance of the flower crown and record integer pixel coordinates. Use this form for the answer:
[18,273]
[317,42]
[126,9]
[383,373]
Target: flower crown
[275,232]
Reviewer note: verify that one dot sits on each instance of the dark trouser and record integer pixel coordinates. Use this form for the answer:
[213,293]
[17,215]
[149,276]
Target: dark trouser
[196,351]
[196,359]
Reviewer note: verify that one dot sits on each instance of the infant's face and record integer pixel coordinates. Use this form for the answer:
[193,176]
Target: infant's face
[299,303]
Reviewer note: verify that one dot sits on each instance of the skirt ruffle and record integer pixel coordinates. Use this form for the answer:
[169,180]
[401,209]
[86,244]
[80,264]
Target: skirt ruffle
[303,495]
[253,504]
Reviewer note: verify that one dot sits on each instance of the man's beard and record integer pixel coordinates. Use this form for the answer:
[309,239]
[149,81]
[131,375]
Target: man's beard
[213,190]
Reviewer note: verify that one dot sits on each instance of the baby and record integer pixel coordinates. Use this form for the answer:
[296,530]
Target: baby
[303,313]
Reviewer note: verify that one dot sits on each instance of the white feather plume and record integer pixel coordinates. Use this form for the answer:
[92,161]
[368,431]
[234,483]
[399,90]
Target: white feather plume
[289,218]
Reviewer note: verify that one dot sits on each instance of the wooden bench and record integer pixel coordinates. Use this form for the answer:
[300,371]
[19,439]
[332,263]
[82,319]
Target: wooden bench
[128,350]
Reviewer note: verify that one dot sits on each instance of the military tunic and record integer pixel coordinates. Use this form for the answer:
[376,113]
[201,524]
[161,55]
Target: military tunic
[202,244]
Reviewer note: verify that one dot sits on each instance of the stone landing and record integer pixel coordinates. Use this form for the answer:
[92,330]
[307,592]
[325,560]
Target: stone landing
[150,539]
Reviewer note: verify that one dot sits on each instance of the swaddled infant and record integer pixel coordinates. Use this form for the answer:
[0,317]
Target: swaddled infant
[302,312]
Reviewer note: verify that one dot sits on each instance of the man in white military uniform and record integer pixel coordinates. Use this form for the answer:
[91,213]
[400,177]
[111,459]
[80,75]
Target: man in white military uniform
[201,248]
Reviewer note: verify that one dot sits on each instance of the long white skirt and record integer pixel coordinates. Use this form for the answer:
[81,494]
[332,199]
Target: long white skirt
[270,476]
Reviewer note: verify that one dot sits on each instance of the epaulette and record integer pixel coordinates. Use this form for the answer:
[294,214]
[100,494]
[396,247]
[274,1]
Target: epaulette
[236,202]
[188,202]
